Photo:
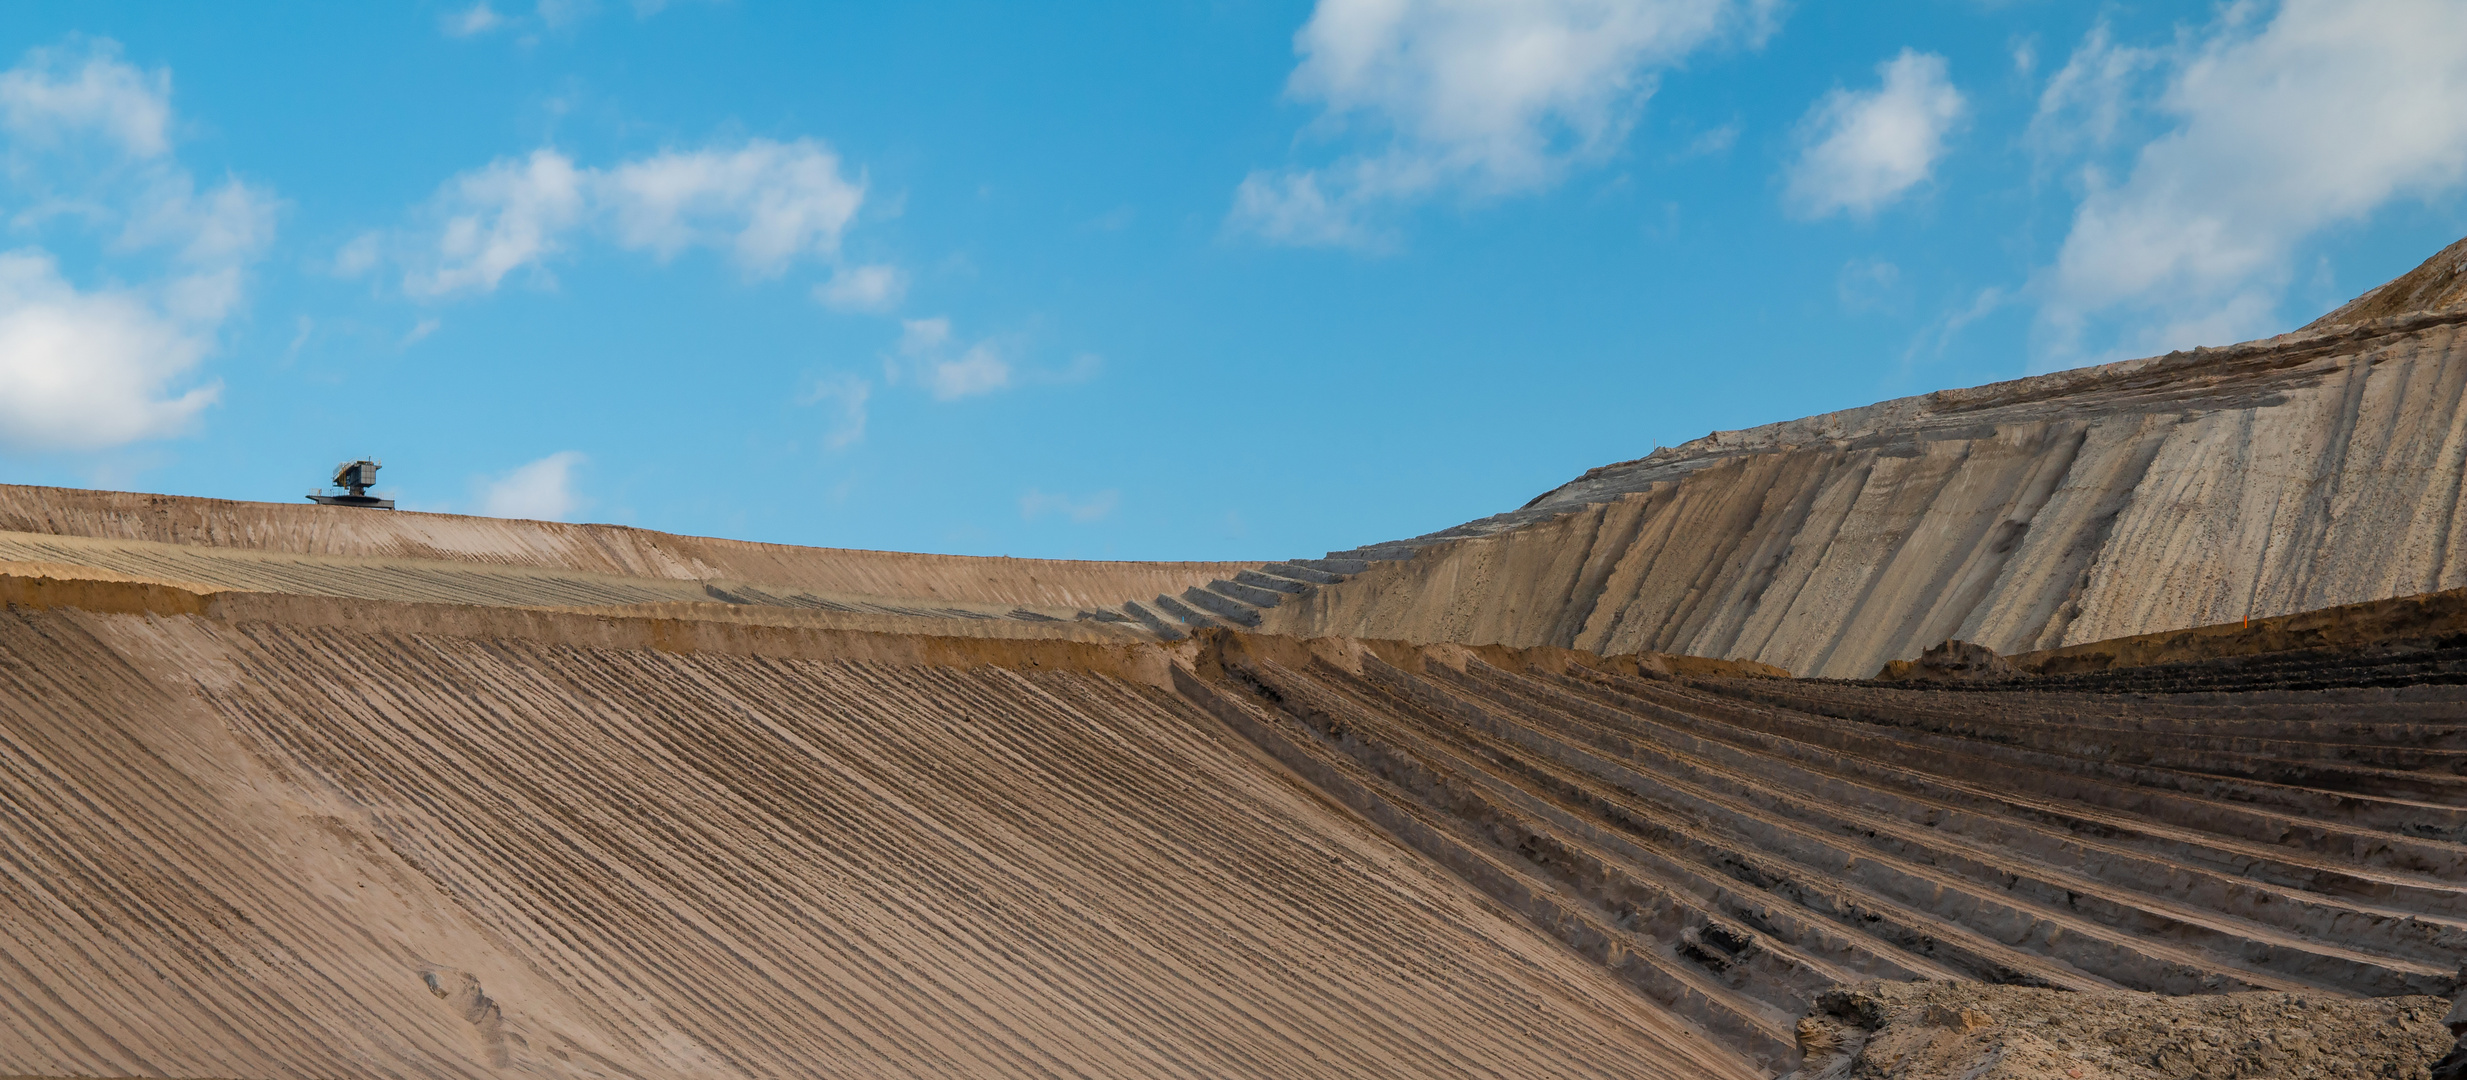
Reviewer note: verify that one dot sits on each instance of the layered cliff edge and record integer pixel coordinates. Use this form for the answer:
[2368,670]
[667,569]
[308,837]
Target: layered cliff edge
[2316,468]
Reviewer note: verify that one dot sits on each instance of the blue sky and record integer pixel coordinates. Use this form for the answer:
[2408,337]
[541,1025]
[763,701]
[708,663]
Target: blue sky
[1143,280]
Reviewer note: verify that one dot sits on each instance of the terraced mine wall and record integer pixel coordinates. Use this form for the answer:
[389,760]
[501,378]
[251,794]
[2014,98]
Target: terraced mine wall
[1735,848]
[257,835]
[2308,470]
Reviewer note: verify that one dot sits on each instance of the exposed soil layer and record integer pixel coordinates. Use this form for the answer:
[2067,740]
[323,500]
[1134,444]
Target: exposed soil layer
[1949,1031]
[376,843]
[2313,469]
[2374,627]
[1734,848]
[261,834]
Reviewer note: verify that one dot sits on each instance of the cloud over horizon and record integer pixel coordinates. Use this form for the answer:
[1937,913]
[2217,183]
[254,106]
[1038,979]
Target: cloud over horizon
[90,162]
[541,490]
[1475,98]
[766,204]
[2269,132]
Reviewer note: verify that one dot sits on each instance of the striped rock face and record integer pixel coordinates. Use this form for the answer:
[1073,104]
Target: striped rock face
[2317,468]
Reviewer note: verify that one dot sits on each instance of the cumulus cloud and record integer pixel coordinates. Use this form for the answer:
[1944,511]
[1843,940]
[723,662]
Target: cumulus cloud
[89,151]
[1036,504]
[542,490]
[1484,97]
[506,215]
[2272,131]
[88,370]
[928,356]
[72,91]
[979,370]
[1291,208]
[1864,149]
[874,288]
[766,203]
[2084,104]
[228,224]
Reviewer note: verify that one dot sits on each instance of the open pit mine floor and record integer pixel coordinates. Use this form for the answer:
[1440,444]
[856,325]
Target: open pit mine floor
[262,815]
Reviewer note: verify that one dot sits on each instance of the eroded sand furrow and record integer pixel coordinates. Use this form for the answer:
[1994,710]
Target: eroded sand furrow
[2172,884]
[574,860]
[2303,853]
[670,887]
[2229,944]
[62,814]
[167,849]
[1165,840]
[1914,894]
[1574,791]
[757,864]
[2346,782]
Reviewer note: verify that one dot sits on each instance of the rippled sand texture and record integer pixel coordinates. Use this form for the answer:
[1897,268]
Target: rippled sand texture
[2318,468]
[263,850]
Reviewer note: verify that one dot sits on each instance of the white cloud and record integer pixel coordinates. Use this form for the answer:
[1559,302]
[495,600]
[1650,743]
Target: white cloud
[2085,102]
[846,396]
[1865,148]
[1036,504]
[768,203]
[542,490]
[89,151]
[980,370]
[1290,208]
[229,223]
[89,370]
[925,356]
[477,19]
[863,288]
[419,332]
[1486,97]
[59,94]
[2321,115]
[499,218]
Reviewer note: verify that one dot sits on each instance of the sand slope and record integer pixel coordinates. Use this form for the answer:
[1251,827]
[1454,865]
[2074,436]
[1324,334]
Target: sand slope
[283,849]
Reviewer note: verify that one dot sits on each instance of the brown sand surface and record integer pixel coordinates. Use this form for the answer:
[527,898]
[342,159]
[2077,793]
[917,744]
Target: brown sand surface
[440,581]
[220,531]
[251,848]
